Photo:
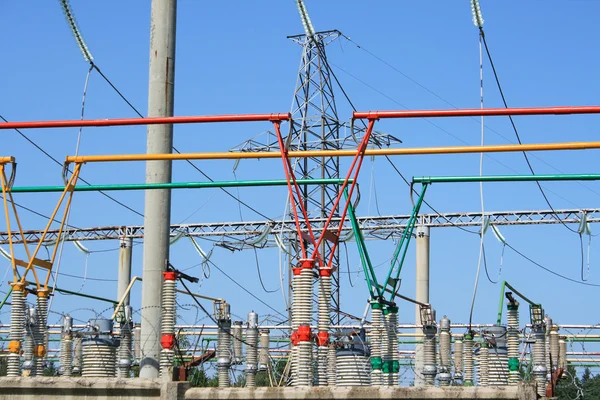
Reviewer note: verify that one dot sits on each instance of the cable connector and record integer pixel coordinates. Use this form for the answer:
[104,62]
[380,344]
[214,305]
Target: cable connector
[477,16]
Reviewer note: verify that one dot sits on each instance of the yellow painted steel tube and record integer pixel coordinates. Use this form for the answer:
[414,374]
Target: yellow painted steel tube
[6,160]
[500,148]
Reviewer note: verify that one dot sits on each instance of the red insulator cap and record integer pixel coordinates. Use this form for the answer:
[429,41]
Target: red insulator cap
[307,263]
[170,275]
[323,339]
[297,271]
[304,334]
[294,338]
[326,271]
[167,341]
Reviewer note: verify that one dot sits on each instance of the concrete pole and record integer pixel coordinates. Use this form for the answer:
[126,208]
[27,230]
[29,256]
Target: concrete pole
[124,276]
[157,207]
[422,294]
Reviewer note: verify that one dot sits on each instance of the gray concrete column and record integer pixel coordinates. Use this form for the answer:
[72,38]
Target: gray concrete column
[124,276]
[422,293]
[157,208]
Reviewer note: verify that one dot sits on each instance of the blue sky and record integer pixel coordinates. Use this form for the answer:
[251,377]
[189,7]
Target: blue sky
[233,57]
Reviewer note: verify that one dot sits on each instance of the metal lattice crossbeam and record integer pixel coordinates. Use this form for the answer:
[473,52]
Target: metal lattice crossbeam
[374,227]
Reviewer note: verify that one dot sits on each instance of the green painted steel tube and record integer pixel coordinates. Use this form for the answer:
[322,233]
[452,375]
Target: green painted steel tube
[501,304]
[6,297]
[507,178]
[368,270]
[403,245]
[88,296]
[174,185]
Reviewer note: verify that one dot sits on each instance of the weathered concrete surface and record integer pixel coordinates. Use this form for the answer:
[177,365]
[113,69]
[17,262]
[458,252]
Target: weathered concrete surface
[53,388]
[521,392]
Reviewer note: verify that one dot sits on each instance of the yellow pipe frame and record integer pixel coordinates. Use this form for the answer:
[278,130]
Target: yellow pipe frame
[501,148]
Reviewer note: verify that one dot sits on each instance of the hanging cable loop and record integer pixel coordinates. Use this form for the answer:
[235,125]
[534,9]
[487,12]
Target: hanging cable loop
[13,174]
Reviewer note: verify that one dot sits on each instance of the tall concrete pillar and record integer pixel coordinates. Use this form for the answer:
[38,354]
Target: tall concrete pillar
[124,276]
[157,208]
[422,294]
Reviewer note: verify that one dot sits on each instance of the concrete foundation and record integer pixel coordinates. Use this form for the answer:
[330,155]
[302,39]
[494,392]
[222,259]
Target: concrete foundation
[53,388]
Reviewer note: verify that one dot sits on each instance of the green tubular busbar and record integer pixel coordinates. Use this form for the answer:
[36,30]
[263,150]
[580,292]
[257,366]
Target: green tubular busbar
[174,185]
[501,302]
[506,178]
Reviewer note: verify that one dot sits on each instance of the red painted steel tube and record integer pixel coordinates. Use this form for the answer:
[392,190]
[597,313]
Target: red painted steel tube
[476,112]
[146,121]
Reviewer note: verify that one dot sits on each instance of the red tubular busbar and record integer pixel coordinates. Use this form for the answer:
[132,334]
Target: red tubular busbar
[146,121]
[476,112]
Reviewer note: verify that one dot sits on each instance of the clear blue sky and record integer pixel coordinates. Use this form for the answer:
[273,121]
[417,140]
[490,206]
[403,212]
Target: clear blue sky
[233,57]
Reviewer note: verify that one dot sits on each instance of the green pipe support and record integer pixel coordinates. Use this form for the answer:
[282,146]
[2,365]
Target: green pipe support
[6,297]
[501,303]
[506,178]
[174,185]
[87,296]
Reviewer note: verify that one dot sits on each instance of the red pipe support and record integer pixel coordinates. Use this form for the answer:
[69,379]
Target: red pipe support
[146,121]
[476,112]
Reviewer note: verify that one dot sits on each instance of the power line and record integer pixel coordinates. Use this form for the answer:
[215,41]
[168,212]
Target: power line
[512,122]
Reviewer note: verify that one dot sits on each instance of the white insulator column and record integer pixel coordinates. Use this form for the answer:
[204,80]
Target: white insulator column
[483,365]
[376,344]
[137,344]
[237,342]
[513,330]
[29,368]
[554,347]
[17,325]
[263,357]
[66,347]
[469,372]
[562,352]
[332,363]
[429,355]
[458,359]
[352,368]
[77,355]
[548,328]
[391,364]
[40,334]
[251,349]
[224,345]
[323,326]
[301,320]
[168,319]
[539,359]
[498,355]
[444,374]
[124,363]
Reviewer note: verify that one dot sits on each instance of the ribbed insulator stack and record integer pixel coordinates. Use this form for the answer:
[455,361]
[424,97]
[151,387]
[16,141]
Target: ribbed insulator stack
[512,318]
[429,359]
[498,355]
[562,352]
[539,360]
[376,344]
[444,375]
[124,367]
[137,344]
[66,347]
[301,319]
[28,367]
[168,318]
[483,365]
[251,349]
[468,358]
[458,359]
[332,365]
[548,328]
[99,359]
[391,363]
[237,342]
[554,347]
[40,334]
[77,354]
[323,326]
[224,351]
[263,357]
[352,368]
[17,325]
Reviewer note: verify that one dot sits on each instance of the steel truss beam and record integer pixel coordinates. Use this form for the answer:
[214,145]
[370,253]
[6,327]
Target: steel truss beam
[374,227]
